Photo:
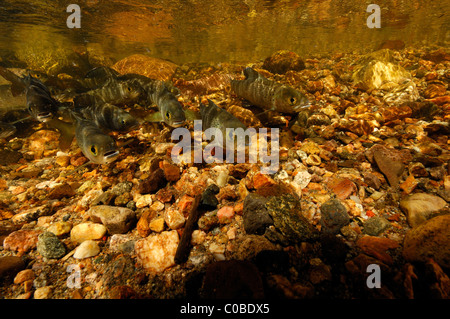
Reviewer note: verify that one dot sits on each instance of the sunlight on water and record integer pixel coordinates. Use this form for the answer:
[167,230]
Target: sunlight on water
[215,31]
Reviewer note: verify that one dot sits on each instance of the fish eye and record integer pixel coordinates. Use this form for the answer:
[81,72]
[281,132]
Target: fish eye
[168,115]
[129,88]
[93,150]
[293,100]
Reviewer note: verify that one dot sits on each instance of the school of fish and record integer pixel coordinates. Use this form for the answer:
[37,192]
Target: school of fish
[90,108]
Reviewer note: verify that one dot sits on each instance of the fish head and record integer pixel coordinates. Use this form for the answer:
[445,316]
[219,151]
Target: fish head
[292,100]
[100,148]
[173,114]
[42,112]
[125,122]
[131,89]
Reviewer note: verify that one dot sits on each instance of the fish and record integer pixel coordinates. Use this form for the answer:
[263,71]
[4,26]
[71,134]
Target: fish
[107,116]
[269,95]
[213,116]
[170,110]
[98,77]
[115,91]
[6,130]
[40,103]
[96,145]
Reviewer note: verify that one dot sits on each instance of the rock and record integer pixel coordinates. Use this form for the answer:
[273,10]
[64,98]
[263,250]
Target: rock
[43,292]
[143,225]
[157,252]
[431,239]
[153,68]
[171,172]
[21,240]
[8,157]
[154,182]
[31,214]
[173,218]
[255,214]
[377,69]
[334,216]
[61,191]
[434,90]
[377,247]
[262,180]
[376,225]
[10,266]
[118,220]
[49,246]
[185,204]
[86,249]
[249,246]
[342,187]
[225,214]
[392,45]
[409,184]
[372,180]
[122,243]
[286,214]
[60,228]
[318,271]
[23,275]
[157,224]
[232,279]
[209,200]
[419,207]
[389,162]
[86,231]
[144,201]
[302,179]
[282,61]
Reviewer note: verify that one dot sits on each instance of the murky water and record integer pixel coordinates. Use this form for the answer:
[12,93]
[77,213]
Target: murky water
[212,31]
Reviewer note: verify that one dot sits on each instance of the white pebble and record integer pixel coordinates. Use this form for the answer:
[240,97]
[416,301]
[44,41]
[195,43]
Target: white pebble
[87,248]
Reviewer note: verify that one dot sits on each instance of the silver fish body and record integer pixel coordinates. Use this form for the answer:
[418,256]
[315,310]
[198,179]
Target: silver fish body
[269,95]
[109,117]
[214,117]
[157,92]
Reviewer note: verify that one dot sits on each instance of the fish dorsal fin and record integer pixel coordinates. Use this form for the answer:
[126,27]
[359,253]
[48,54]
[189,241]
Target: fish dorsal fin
[250,74]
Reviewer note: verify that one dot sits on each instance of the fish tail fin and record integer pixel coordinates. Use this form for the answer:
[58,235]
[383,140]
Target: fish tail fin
[66,131]
[17,83]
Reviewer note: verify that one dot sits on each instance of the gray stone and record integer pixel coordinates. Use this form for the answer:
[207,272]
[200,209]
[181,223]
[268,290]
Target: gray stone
[334,216]
[255,214]
[376,225]
[287,218]
[49,246]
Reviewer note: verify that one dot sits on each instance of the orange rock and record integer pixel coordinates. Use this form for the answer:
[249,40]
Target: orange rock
[171,172]
[225,214]
[153,68]
[185,204]
[343,188]
[409,184]
[262,180]
[377,247]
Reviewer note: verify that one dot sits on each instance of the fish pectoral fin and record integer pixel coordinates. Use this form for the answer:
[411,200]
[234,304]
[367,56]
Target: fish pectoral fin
[154,117]
[66,131]
[192,115]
